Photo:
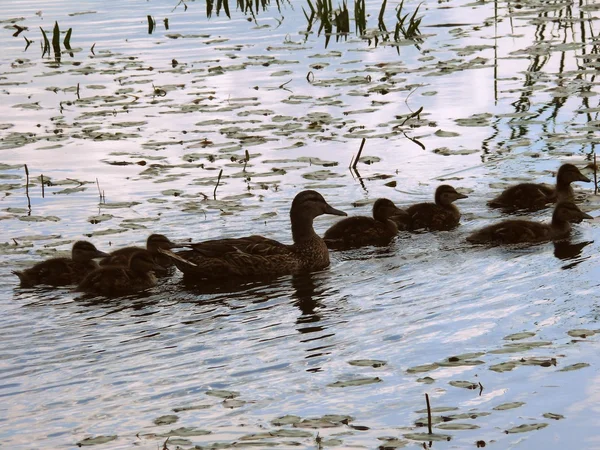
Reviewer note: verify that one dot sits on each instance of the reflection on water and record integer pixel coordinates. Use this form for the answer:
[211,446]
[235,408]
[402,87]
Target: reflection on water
[149,121]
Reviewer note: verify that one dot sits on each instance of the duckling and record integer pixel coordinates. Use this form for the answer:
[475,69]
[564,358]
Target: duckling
[257,256]
[118,280]
[523,231]
[359,231]
[121,256]
[535,196]
[63,271]
[439,216]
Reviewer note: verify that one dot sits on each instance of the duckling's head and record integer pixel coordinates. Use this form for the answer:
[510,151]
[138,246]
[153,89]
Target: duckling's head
[85,251]
[142,262]
[568,173]
[568,212]
[311,204]
[156,241]
[446,194]
[383,209]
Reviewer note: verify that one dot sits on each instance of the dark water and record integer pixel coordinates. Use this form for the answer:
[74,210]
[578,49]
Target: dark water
[507,93]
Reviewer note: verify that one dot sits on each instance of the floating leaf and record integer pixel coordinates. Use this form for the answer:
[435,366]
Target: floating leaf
[519,336]
[423,368]
[356,382]
[581,333]
[510,405]
[166,420]
[426,380]
[186,431]
[464,384]
[553,416]
[367,363]
[576,366]
[96,440]
[457,426]
[427,437]
[221,393]
[526,427]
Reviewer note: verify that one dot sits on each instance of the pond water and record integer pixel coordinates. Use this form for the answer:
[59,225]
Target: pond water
[502,340]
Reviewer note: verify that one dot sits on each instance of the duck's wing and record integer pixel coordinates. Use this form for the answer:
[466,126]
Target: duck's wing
[54,272]
[529,196]
[511,232]
[121,256]
[256,245]
[104,279]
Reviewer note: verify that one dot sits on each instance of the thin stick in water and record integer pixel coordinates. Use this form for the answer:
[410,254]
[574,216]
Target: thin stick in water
[595,176]
[27,187]
[218,181]
[42,179]
[362,145]
[428,413]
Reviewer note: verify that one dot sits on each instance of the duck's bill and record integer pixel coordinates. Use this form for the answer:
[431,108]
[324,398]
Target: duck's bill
[582,177]
[586,216]
[459,195]
[100,254]
[336,212]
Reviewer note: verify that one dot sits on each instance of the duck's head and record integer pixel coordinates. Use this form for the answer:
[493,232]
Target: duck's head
[311,204]
[446,194]
[156,241]
[383,209]
[568,173]
[568,212]
[85,251]
[142,262]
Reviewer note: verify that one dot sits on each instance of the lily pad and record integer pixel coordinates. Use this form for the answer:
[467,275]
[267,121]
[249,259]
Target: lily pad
[510,405]
[95,441]
[581,333]
[576,366]
[166,420]
[221,393]
[367,363]
[519,336]
[526,427]
[356,382]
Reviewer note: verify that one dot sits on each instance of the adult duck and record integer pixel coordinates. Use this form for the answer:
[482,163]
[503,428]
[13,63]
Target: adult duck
[257,256]
[119,280]
[63,271]
[525,231]
[359,231]
[442,215]
[535,196]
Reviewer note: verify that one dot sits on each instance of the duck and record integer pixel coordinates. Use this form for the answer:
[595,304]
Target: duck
[442,215]
[118,280]
[536,196]
[122,256]
[258,256]
[526,231]
[359,231]
[63,271]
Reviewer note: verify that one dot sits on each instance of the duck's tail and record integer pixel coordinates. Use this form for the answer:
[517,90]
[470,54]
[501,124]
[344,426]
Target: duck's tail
[22,277]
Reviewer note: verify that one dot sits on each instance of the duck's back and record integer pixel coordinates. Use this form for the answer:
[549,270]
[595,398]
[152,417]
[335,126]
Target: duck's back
[529,196]
[116,280]
[252,256]
[513,232]
[56,272]
[359,231]
[433,217]
[121,256]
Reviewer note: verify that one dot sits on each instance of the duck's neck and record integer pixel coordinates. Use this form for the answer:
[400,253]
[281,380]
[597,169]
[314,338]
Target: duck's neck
[564,191]
[560,226]
[302,227]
